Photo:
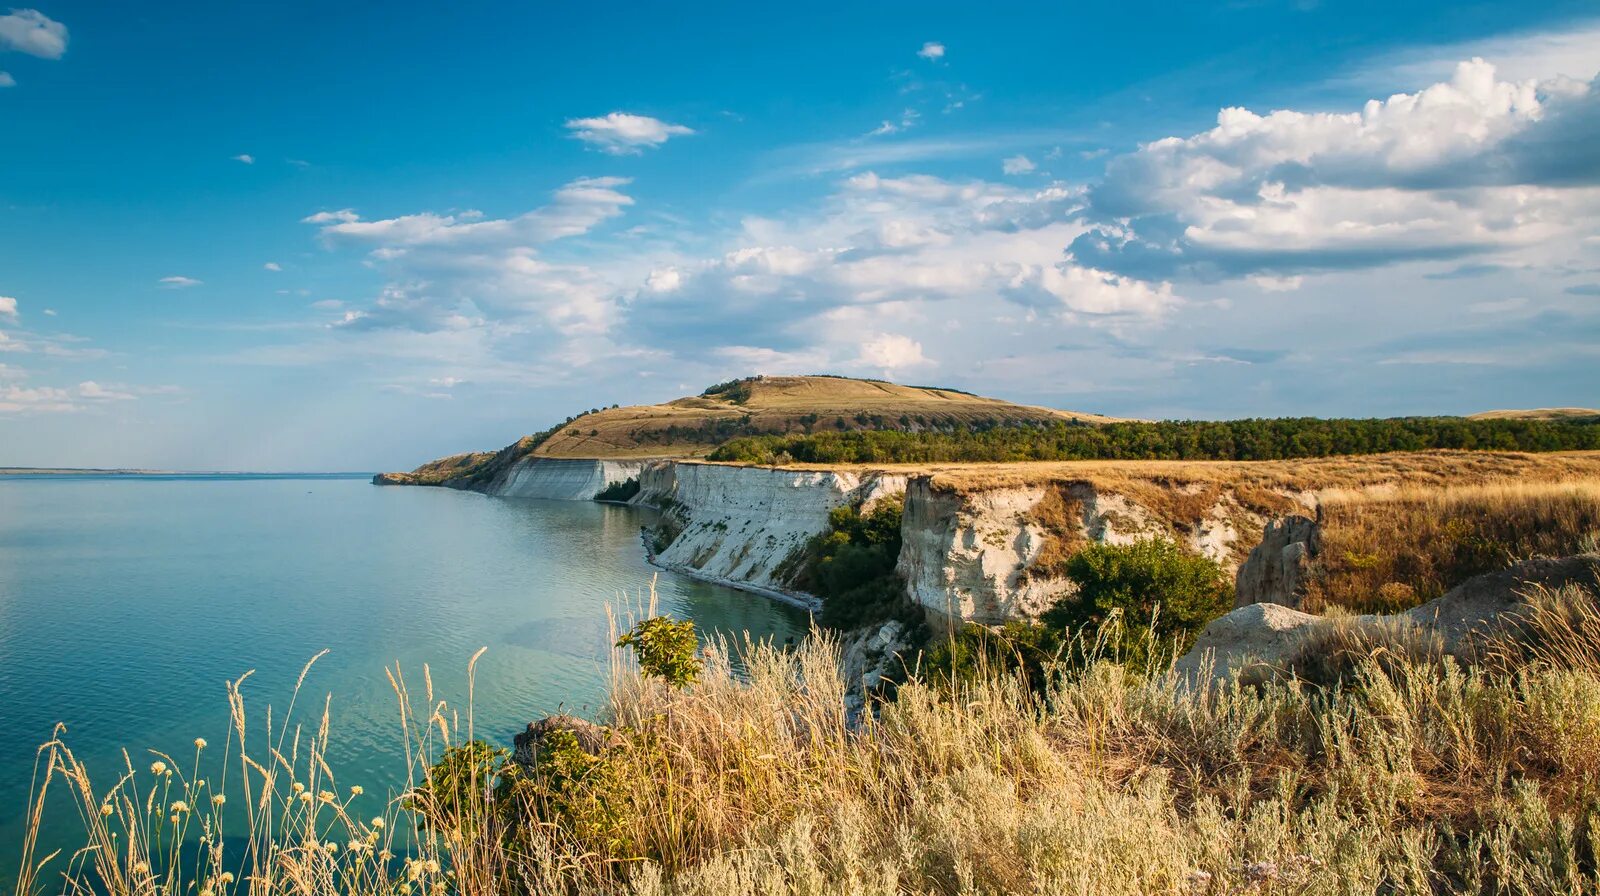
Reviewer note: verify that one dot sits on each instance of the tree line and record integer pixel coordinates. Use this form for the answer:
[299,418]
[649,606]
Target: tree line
[1251,439]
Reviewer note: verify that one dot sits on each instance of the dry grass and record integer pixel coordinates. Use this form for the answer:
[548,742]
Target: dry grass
[1423,779]
[1536,414]
[1385,550]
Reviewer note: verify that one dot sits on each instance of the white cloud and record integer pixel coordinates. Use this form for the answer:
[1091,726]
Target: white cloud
[50,312]
[891,352]
[932,50]
[1017,164]
[622,133]
[1462,167]
[8,307]
[6,80]
[578,207]
[245,158]
[1572,51]
[179,282]
[95,392]
[32,32]
[908,119]
[272,266]
[1269,283]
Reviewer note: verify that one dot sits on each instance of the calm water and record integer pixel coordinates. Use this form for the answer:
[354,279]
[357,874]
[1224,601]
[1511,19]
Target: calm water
[127,603]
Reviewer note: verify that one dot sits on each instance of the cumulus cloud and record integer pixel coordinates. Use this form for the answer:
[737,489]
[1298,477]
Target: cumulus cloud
[891,352]
[246,158]
[1462,167]
[622,133]
[178,282]
[8,307]
[6,80]
[932,50]
[31,31]
[272,266]
[1017,164]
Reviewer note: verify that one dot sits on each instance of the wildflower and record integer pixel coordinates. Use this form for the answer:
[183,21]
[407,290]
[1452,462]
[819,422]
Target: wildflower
[1255,872]
[431,866]
[355,846]
[298,787]
[378,822]
[141,868]
[105,810]
[385,855]
[174,817]
[325,796]
[226,877]
[405,889]
[180,806]
[218,800]
[158,767]
[331,847]
[199,743]
[355,790]
[207,891]
[305,797]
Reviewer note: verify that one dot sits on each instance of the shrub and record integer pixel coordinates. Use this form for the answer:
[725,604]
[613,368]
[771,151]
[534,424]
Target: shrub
[852,566]
[1155,594]
[619,491]
[666,648]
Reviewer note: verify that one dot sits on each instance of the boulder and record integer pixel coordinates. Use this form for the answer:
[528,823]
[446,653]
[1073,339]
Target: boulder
[1248,641]
[1275,571]
[592,739]
[1474,606]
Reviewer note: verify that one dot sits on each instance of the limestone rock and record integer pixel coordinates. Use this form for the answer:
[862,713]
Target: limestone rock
[1474,606]
[1249,640]
[1275,571]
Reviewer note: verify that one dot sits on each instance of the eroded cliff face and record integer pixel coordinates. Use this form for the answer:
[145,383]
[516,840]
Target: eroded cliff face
[743,526]
[562,479]
[994,555]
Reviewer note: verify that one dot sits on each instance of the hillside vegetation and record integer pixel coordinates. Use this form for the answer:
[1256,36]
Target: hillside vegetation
[839,420]
[783,405]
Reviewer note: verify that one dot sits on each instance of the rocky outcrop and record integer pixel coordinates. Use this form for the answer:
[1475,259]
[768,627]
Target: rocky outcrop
[1262,639]
[1275,572]
[592,739]
[745,526]
[1262,634]
[977,555]
[966,557]
[563,479]
[1476,606]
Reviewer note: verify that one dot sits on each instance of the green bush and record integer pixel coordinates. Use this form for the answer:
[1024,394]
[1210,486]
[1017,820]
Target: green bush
[974,653]
[1147,598]
[619,491]
[667,649]
[852,567]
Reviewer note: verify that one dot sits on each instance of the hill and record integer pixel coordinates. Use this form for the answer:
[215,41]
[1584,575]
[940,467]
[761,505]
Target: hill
[1537,414]
[784,405]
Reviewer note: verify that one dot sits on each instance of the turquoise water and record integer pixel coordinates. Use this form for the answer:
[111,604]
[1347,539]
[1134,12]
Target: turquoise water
[126,604]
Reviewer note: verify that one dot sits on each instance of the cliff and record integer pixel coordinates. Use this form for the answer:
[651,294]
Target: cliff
[745,526]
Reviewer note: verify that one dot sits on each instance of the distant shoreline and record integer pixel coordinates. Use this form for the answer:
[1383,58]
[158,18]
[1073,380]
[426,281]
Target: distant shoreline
[194,474]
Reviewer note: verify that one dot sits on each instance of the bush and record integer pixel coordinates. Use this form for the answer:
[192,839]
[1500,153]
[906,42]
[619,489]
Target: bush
[852,567]
[619,491]
[1147,598]
[667,649]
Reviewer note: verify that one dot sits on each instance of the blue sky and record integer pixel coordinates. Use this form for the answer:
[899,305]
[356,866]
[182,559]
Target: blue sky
[295,236]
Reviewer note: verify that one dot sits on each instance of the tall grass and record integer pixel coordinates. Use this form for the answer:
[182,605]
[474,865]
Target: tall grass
[1385,551]
[1430,778]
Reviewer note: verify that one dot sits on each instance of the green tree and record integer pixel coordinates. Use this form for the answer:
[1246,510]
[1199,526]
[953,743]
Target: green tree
[666,648]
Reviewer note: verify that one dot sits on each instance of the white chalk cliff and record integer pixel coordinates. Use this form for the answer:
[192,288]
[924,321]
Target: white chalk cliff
[742,526]
[563,479]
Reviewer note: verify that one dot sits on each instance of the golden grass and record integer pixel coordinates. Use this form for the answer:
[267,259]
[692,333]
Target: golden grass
[1389,549]
[1421,780]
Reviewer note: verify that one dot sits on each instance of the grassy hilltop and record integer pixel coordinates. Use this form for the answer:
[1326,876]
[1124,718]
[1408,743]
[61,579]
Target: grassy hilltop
[837,420]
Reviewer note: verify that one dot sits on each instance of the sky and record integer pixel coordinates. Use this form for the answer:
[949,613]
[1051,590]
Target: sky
[286,236]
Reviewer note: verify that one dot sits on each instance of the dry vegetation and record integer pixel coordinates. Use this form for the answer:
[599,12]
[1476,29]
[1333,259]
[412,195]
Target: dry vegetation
[1389,550]
[1536,414]
[1423,778]
[780,405]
